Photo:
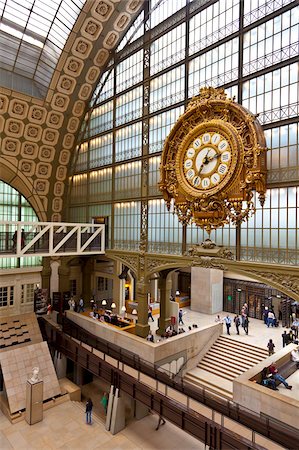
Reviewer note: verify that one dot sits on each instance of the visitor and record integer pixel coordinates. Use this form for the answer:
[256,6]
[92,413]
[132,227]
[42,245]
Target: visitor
[81,305]
[267,380]
[271,347]
[150,313]
[270,320]
[150,336]
[295,356]
[237,323]
[218,318]
[228,323]
[265,314]
[104,402]
[14,240]
[181,317]
[285,338]
[88,411]
[246,324]
[274,371]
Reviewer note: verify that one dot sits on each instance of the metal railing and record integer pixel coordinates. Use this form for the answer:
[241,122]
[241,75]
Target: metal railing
[19,239]
[206,430]
[270,428]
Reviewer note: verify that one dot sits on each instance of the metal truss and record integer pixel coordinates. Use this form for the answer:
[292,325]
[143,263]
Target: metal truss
[280,113]
[20,239]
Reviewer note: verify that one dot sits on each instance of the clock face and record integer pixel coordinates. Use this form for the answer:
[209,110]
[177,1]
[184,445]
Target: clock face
[207,160]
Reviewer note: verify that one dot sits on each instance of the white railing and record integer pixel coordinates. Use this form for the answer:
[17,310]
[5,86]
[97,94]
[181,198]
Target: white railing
[20,239]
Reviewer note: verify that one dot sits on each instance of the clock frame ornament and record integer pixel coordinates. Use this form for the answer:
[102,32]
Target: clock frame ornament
[213,160]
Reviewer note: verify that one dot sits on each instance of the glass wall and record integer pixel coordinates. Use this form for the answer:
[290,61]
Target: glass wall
[14,207]
[249,48]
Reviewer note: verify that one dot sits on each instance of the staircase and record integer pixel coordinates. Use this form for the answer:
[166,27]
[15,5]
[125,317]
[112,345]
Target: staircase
[226,360]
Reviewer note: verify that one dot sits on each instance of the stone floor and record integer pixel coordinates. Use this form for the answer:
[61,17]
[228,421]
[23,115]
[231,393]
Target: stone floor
[258,334]
[64,427]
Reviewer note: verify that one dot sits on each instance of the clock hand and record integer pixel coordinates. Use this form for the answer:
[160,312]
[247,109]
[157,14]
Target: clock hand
[212,157]
[204,161]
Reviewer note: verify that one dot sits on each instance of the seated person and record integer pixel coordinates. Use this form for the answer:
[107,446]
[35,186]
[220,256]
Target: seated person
[277,377]
[114,319]
[295,356]
[107,317]
[267,380]
[150,336]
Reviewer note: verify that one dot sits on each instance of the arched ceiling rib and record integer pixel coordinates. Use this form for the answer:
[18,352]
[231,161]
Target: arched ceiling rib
[38,136]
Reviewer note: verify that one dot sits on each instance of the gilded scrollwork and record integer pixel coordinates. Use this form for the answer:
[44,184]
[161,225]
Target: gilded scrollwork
[289,282]
[224,198]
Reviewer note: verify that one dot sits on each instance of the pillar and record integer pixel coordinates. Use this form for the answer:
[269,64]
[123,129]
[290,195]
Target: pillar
[46,274]
[164,319]
[142,327]
[64,275]
[206,290]
[54,280]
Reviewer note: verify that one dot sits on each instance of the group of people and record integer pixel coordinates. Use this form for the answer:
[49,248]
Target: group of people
[269,317]
[243,322]
[270,377]
[89,407]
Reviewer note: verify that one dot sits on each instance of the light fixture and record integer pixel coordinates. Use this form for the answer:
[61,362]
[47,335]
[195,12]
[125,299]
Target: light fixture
[123,309]
[134,312]
[239,290]
[278,296]
[177,293]
[104,303]
[113,305]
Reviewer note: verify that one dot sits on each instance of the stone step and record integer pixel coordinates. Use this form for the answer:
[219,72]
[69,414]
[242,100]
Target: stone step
[235,351]
[232,365]
[222,352]
[240,344]
[218,390]
[227,375]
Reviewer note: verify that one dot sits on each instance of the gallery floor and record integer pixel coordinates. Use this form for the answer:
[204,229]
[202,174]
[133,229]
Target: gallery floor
[64,425]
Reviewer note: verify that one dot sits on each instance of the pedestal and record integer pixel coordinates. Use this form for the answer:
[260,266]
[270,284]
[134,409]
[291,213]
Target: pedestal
[34,402]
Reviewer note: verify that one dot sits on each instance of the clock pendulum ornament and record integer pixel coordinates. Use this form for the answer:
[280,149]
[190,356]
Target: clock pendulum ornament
[212,162]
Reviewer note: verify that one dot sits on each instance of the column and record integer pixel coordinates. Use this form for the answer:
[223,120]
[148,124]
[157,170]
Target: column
[54,280]
[142,327]
[206,290]
[164,286]
[64,276]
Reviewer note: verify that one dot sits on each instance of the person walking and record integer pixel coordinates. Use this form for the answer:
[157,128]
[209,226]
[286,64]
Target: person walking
[265,314]
[150,313]
[246,324]
[237,322]
[181,317]
[81,305]
[271,347]
[285,338]
[104,402]
[228,323]
[88,410]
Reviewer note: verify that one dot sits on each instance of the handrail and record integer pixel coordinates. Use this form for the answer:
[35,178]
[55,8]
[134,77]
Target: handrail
[272,429]
[206,430]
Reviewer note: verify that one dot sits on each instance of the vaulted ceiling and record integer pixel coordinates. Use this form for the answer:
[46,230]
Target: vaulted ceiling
[38,132]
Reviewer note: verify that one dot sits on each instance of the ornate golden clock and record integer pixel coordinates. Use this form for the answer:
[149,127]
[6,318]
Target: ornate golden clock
[213,160]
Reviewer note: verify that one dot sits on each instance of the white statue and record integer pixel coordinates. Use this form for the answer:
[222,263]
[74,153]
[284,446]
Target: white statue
[34,376]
